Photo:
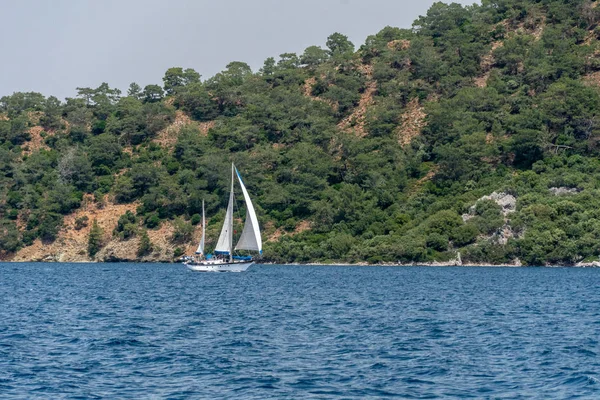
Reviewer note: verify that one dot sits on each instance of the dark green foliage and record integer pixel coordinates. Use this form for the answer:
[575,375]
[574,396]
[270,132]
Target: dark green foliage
[314,56]
[464,235]
[94,239]
[437,242]
[104,153]
[152,221]
[339,45]
[9,236]
[126,226]
[178,252]
[196,218]
[145,246]
[152,94]
[176,78]
[81,222]
[183,231]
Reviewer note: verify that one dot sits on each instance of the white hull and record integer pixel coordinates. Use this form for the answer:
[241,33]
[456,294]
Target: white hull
[220,267]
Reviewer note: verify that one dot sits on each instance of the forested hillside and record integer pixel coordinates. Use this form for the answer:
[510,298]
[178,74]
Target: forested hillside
[475,132]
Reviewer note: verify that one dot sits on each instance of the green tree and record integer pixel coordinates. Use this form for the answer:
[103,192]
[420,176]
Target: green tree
[183,231]
[145,246]
[94,239]
[177,77]
[152,93]
[314,56]
[134,91]
[339,44]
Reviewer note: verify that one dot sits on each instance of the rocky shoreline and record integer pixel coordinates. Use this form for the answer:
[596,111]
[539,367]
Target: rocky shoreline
[594,264]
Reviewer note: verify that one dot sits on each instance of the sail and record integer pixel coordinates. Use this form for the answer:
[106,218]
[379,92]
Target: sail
[200,249]
[250,239]
[225,243]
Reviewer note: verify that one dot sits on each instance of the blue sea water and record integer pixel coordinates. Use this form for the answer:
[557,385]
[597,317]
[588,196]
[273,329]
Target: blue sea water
[160,331]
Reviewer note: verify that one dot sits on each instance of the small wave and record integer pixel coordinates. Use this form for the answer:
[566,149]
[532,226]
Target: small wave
[15,336]
[239,343]
[379,366]
[581,380]
[581,350]
[304,383]
[121,342]
[417,381]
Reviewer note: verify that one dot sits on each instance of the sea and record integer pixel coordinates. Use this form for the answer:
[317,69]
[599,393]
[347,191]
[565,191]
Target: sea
[154,331]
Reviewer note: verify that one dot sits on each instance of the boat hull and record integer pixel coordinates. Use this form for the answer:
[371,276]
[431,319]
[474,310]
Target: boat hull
[221,267]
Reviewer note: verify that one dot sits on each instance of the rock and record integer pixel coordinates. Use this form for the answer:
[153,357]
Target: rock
[594,264]
[563,191]
[50,258]
[508,202]
[466,217]
[503,234]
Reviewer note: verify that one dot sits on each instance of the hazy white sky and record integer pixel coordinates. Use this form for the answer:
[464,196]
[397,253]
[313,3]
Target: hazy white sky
[53,46]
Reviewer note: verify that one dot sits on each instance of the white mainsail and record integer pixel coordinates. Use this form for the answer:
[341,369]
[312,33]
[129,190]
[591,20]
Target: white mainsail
[200,249]
[225,243]
[250,239]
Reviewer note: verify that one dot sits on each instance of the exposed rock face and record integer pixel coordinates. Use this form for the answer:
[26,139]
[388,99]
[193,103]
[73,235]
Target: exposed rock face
[503,234]
[563,191]
[71,243]
[508,202]
[355,122]
[413,122]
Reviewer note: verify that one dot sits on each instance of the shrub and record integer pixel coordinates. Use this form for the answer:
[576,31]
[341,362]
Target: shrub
[152,221]
[145,246]
[178,252]
[94,239]
[464,235]
[81,222]
[183,231]
[437,242]
[196,218]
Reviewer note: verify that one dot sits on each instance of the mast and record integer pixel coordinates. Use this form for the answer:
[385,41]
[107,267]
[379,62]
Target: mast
[203,229]
[231,219]
[200,249]
[225,242]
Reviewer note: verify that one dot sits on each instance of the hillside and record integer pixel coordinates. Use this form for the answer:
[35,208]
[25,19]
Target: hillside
[473,136]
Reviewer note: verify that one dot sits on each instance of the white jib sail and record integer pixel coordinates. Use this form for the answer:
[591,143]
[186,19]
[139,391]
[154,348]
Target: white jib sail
[250,239]
[225,242]
[200,249]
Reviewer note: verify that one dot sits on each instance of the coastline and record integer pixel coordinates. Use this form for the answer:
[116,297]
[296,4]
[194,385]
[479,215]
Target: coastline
[452,263]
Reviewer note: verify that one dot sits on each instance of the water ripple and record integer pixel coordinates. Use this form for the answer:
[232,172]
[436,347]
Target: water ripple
[160,331]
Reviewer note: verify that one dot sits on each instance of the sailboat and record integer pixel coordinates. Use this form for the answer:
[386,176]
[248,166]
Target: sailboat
[224,260]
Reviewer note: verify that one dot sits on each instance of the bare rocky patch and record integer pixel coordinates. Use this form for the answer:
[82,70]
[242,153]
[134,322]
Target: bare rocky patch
[36,142]
[168,137]
[412,122]
[355,122]
[400,44]
[486,64]
[508,203]
[563,191]
[278,233]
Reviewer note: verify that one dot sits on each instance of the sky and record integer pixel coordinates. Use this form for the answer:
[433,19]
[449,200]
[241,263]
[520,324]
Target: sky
[54,46]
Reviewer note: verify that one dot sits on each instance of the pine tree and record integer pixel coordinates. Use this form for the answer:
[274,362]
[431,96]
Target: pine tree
[145,246]
[94,239]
